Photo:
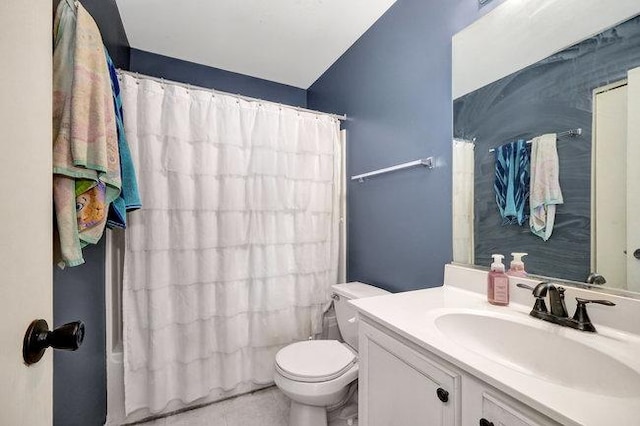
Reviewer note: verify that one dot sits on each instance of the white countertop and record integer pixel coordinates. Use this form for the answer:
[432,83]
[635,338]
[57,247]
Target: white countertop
[412,314]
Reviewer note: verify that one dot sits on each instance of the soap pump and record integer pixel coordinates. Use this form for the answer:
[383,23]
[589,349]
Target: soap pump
[498,282]
[516,268]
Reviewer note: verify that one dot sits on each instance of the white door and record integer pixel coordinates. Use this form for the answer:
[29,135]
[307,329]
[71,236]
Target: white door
[25,209]
[609,181]
[633,180]
[616,152]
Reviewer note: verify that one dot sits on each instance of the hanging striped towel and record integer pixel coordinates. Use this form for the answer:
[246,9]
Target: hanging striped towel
[511,184]
[129,198]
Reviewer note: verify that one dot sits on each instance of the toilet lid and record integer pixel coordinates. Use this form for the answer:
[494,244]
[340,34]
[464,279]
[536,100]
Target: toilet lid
[314,360]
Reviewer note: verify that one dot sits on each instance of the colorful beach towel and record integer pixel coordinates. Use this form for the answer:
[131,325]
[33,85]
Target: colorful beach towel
[86,164]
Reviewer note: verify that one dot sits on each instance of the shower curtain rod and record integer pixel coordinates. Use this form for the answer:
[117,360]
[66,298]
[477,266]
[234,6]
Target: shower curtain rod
[246,98]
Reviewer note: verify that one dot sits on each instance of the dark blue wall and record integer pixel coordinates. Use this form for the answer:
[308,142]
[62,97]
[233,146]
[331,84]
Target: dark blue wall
[200,75]
[394,84]
[79,378]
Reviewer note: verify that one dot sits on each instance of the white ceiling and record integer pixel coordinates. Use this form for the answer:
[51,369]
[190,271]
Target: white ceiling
[287,41]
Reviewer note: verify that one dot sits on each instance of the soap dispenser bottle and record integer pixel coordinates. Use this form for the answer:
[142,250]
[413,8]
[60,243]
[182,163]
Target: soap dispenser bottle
[516,268]
[498,283]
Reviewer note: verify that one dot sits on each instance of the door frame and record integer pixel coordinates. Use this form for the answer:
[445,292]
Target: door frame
[597,91]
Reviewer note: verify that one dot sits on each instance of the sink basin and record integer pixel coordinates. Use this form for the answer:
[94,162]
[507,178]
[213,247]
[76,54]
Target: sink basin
[538,352]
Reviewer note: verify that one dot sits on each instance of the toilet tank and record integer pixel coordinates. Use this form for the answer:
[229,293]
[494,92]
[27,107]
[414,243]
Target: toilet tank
[345,313]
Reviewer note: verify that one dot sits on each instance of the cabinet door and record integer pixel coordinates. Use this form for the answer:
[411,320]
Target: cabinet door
[486,406]
[498,413]
[400,387]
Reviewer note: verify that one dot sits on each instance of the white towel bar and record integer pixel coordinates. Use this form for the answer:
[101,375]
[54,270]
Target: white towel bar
[427,162]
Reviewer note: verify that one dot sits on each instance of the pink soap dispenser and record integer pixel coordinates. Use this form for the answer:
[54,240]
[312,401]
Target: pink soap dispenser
[516,268]
[498,283]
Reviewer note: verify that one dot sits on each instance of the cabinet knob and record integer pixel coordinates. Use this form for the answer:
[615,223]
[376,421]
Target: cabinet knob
[443,395]
[485,422]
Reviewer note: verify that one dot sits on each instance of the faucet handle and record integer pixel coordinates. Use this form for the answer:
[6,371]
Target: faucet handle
[595,278]
[598,301]
[581,318]
[527,287]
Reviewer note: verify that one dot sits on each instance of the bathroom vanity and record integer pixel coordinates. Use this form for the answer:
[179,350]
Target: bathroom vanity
[444,356]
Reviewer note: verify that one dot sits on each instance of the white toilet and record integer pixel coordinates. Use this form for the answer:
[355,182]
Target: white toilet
[316,374]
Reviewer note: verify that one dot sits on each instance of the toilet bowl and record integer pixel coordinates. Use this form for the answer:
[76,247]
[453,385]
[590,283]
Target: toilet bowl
[316,374]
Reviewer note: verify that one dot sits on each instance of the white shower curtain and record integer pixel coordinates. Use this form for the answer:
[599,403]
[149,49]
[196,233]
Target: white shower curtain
[463,175]
[235,249]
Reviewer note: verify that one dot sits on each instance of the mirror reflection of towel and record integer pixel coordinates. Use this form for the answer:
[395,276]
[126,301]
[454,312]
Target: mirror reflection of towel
[545,185]
[511,184]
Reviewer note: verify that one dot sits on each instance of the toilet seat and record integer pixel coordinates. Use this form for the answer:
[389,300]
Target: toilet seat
[315,361]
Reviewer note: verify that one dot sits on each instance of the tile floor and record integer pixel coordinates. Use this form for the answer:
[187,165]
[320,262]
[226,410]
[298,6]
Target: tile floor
[267,407]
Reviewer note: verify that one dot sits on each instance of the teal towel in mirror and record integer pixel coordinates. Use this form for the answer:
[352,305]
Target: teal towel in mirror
[511,184]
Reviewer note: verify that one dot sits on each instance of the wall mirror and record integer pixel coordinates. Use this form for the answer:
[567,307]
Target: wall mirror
[553,66]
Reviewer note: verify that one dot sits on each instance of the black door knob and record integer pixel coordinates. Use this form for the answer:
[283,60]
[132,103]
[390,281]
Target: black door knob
[443,395]
[636,253]
[38,338]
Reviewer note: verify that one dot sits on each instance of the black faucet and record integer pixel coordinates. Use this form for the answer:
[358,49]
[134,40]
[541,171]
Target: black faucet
[558,314]
[556,298]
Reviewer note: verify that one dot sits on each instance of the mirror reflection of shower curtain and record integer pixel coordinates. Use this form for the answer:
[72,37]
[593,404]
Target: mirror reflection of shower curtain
[234,252]
[462,203]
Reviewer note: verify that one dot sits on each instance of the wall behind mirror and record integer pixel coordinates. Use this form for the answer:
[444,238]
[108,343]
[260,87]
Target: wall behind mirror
[553,95]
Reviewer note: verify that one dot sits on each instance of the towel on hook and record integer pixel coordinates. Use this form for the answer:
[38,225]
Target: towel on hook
[129,199]
[86,166]
[511,183]
[545,185]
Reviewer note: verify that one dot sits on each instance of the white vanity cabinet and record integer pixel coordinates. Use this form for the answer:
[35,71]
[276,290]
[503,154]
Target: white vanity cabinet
[497,365]
[401,384]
